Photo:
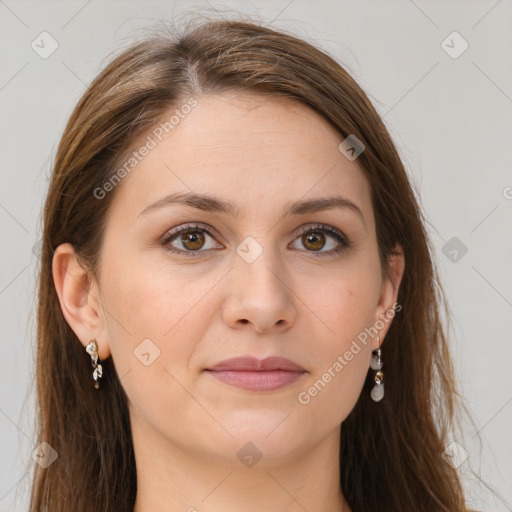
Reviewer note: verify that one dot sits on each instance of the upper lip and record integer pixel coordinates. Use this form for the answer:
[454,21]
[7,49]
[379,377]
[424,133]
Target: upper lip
[254,364]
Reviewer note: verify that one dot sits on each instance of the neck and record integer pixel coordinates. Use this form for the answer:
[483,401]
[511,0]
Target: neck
[172,479]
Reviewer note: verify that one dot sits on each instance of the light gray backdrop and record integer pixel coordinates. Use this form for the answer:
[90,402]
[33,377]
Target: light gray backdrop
[441,75]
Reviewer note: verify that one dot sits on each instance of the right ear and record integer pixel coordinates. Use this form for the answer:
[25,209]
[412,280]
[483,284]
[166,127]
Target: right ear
[80,299]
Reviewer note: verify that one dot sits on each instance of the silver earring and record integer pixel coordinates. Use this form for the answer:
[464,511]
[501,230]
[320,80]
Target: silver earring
[92,350]
[376,363]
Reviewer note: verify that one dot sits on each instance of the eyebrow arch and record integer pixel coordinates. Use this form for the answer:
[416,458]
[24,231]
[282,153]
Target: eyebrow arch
[213,204]
[201,202]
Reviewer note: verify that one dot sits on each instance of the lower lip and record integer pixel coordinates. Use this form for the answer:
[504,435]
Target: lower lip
[258,380]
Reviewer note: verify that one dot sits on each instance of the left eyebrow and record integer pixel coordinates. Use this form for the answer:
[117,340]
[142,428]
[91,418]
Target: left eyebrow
[213,204]
[324,203]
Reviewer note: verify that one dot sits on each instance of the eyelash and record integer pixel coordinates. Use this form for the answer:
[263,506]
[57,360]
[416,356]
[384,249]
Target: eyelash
[316,228]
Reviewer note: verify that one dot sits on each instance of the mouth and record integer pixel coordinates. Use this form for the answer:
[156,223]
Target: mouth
[254,374]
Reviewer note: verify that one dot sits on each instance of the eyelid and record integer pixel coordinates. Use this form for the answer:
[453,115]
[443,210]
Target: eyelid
[190,226]
[322,227]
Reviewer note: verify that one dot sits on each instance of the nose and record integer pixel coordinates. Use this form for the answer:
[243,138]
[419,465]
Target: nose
[259,294]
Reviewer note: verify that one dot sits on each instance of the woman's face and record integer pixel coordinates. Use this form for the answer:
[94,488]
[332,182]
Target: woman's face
[244,284]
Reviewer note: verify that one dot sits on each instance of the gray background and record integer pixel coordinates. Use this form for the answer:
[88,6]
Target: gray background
[450,117]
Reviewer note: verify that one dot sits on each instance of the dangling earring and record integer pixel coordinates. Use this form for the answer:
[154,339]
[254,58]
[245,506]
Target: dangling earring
[92,350]
[376,363]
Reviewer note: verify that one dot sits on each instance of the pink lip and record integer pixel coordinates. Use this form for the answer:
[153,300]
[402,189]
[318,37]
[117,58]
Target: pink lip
[257,374]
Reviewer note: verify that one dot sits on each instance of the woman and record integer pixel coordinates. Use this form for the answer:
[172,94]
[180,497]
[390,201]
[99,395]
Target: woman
[233,263]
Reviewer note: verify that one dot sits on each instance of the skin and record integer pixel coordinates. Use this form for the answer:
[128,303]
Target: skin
[259,153]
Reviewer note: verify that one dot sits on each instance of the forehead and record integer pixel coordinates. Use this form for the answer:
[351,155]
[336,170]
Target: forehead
[245,148]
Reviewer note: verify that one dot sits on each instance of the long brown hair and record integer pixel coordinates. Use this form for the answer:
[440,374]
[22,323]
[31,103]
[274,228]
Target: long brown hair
[391,451]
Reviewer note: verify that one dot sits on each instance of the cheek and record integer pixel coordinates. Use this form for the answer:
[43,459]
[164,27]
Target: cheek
[155,318]
[346,303]
[155,321]
[341,357]
[151,299]
[346,308]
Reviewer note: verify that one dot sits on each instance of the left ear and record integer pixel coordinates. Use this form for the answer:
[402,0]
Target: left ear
[389,293]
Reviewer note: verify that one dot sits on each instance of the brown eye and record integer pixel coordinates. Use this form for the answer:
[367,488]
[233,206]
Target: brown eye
[193,240]
[189,240]
[313,240]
